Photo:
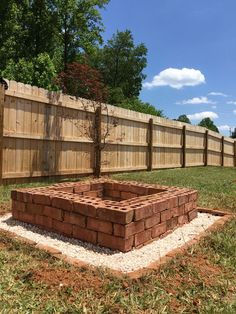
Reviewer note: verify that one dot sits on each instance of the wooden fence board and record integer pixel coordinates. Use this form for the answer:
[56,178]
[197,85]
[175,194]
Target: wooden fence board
[46,134]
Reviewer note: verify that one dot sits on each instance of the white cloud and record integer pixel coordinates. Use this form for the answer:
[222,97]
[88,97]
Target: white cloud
[213,107]
[224,127]
[196,101]
[231,102]
[202,115]
[176,78]
[217,94]
[234,111]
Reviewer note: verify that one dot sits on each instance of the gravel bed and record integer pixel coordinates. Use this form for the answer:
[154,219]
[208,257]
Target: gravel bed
[99,256]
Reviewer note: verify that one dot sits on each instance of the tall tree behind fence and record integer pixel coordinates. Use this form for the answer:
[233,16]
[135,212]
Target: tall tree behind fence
[45,134]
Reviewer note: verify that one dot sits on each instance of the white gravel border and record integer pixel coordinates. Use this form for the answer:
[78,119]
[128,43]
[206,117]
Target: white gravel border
[98,256]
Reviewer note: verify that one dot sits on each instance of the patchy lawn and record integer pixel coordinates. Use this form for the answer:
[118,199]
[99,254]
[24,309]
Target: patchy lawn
[201,281]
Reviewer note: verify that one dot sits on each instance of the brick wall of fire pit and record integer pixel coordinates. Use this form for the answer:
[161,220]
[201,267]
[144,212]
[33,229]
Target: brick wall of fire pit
[113,214]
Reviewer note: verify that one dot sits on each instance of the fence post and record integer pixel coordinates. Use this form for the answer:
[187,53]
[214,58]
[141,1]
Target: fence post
[2,98]
[222,151]
[234,153]
[97,141]
[206,148]
[150,144]
[184,147]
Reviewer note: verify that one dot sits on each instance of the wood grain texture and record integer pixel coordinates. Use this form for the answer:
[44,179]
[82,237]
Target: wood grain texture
[45,134]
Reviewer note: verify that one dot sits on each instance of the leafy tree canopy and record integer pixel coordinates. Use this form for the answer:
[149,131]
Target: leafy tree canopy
[121,63]
[60,28]
[81,80]
[40,71]
[209,124]
[183,118]
[137,105]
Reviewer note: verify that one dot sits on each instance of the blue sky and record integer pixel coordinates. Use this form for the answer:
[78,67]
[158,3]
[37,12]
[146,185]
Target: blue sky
[191,54]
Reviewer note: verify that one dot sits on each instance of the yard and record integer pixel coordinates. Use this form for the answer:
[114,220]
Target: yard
[201,281]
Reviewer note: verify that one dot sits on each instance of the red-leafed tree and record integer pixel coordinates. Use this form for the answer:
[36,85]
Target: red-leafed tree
[81,80]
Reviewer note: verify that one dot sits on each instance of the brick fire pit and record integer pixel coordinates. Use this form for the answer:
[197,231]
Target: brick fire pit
[113,214]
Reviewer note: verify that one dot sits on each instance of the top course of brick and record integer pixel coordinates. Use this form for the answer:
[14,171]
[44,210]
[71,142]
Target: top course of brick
[114,214]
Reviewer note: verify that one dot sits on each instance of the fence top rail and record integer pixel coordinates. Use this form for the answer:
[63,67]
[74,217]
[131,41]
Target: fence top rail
[37,94]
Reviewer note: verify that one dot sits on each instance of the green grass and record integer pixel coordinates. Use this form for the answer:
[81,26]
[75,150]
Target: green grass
[216,185]
[201,281]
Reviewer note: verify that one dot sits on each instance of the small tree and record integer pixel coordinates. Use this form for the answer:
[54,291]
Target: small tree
[209,124]
[80,80]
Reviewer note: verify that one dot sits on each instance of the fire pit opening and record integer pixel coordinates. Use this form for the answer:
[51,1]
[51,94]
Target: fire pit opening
[113,214]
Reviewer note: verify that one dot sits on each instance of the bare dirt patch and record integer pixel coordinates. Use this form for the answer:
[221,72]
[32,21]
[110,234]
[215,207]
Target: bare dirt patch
[61,278]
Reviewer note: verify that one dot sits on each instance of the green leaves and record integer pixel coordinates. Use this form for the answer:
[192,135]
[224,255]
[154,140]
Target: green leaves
[40,71]
[122,63]
[209,124]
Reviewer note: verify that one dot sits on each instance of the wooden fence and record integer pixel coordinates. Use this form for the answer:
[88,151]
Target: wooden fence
[45,134]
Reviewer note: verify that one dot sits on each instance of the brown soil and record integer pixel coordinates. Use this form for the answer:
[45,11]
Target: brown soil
[61,278]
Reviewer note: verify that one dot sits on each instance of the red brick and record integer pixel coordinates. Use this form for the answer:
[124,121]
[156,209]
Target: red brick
[14,195]
[26,217]
[127,195]
[173,201]
[115,215]
[160,205]
[193,196]
[41,199]
[192,214]
[152,221]
[143,211]
[183,199]
[21,196]
[62,203]
[112,193]
[128,230]
[85,234]
[68,189]
[81,188]
[99,225]
[53,212]
[93,193]
[159,230]
[116,243]
[16,205]
[136,189]
[96,186]
[166,215]
[181,210]
[182,219]
[172,223]
[34,208]
[188,207]
[62,227]
[84,209]
[43,221]
[175,211]
[142,237]
[155,190]
[15,214]
[74,219]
